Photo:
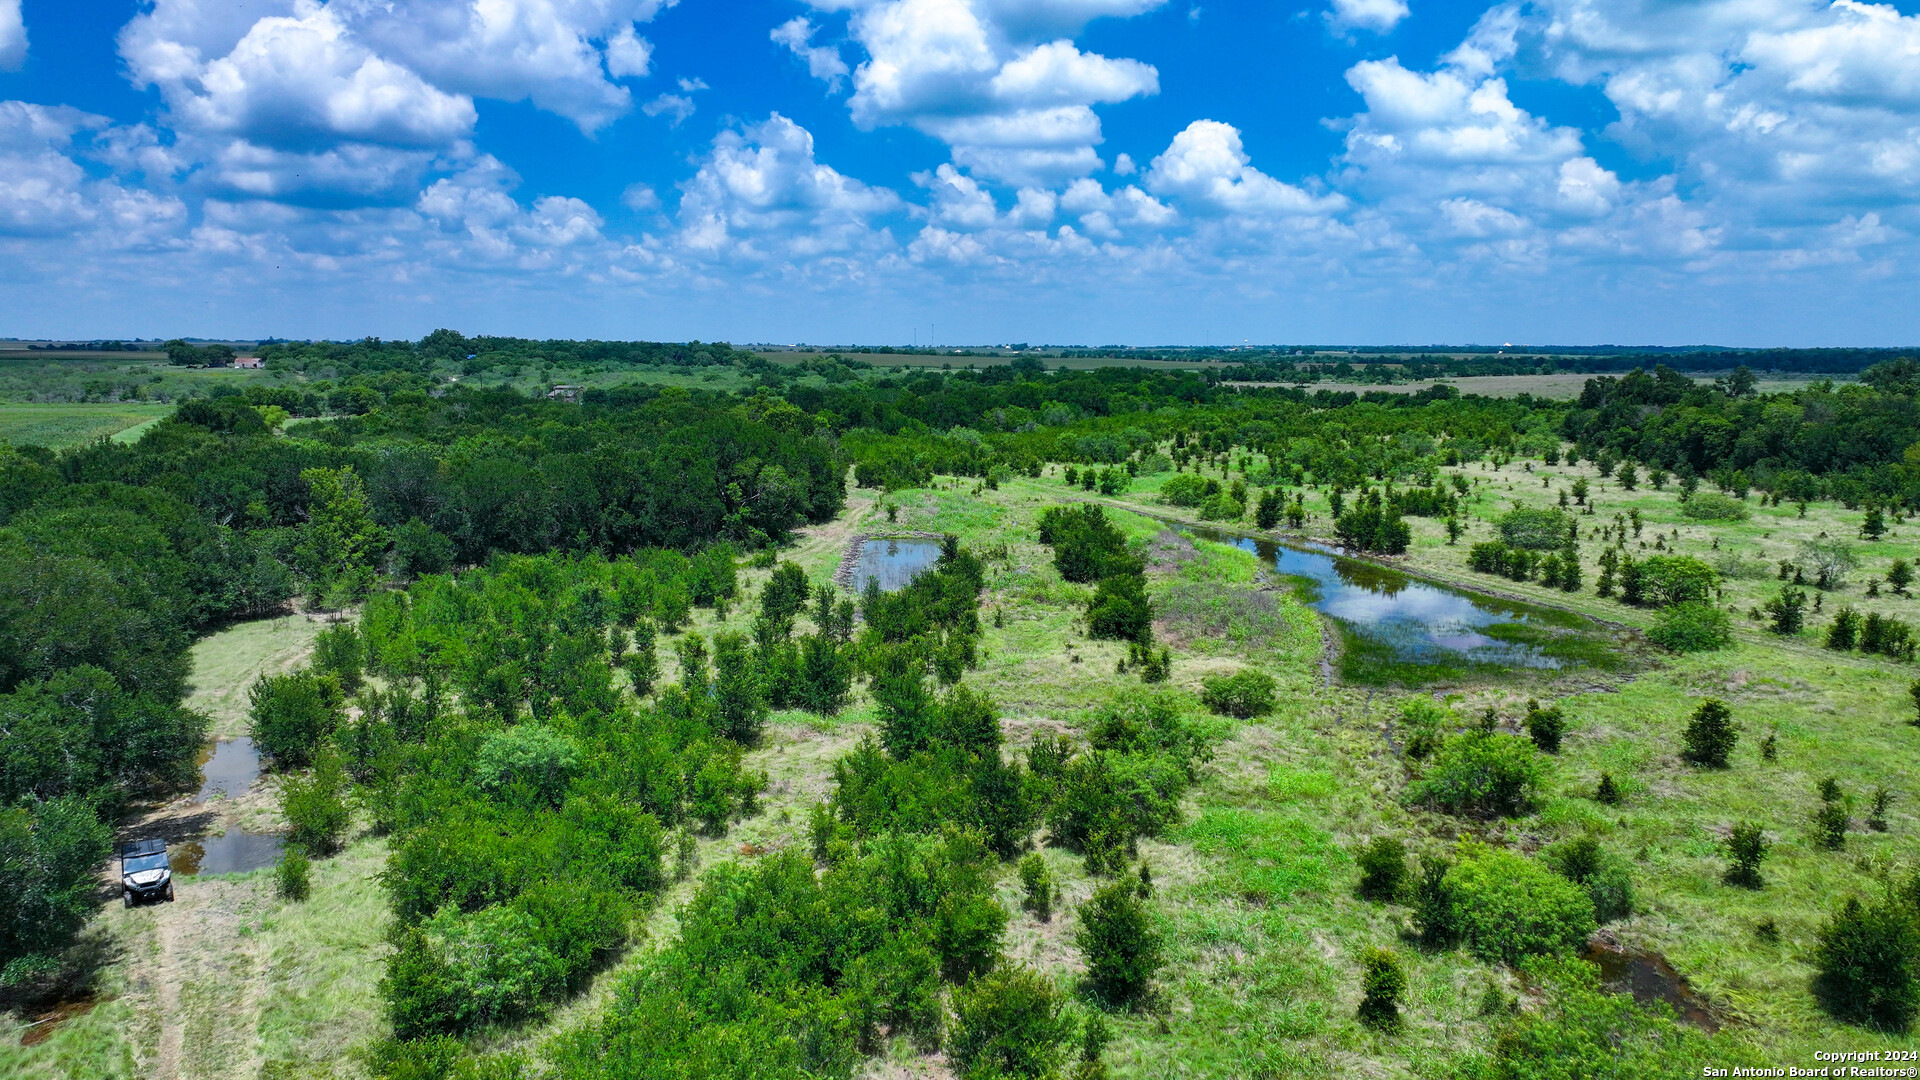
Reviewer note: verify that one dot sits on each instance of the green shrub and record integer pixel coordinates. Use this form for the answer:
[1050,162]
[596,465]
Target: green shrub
[1383,981]
[1434,913]
[1374,528]
[1489,774]
[1710,735]
[457,972]
[1120,610]
[1830,823]
[1506,907]
[290,875]
[1607,793]
[50,854]
[1708,506]
[1222,507]
[1535,530]
[739,696]
[291,714]
[315,805]
[1691,626]
[1105,801]
[418,549]
[1546,727]
[340,652]
[1605,877]
[786,593]
[1010,1023]
[1746,847]
[1425,722]
[530,764]
[1868,957]
[1119,942]
[1665,580]
[1383,869]
[1036,882]
[1186,489]
[1244,694]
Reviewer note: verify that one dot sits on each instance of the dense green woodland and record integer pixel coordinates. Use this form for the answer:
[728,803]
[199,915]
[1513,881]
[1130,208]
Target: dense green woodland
[520,561]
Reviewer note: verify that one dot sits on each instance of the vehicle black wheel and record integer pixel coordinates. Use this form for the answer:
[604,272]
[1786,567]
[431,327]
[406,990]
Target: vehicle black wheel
[169,892]
[127,897]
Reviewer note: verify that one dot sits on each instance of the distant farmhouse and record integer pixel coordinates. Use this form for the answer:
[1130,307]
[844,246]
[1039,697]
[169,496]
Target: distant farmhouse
[248,361]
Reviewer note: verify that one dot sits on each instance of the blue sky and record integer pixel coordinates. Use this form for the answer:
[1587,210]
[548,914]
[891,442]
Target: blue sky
[876,171]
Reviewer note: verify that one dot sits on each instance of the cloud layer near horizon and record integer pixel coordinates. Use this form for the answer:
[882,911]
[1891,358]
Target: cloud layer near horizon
[314,159]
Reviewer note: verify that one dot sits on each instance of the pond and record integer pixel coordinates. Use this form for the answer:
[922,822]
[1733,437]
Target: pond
[1396,628]
[235,851]
[893,561]
[1650,978]
[228,770]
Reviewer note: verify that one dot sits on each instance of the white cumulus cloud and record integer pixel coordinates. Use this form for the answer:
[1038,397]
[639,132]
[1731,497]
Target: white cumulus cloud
[1379,16]
[13,36]
[297,82]
[1001,82]
[823,61]
[1207,164]
[760,194]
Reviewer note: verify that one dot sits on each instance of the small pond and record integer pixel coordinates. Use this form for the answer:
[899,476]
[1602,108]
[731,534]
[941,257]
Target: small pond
[1399,628]
[235,851]
[1650,978]
[893,561]
[228,768]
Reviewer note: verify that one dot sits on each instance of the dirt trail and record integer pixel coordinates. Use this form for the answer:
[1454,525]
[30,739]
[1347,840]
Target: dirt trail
[199,994]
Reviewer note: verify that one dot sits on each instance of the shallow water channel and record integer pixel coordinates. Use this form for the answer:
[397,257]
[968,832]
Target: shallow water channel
[893,561]
[228,769]
[1399,628]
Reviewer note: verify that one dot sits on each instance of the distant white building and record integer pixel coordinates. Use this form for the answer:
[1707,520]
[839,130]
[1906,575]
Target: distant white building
[564,393]
[248,361]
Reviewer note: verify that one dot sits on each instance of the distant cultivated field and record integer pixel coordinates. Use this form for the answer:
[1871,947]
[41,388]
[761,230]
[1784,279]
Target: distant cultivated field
[60,426]
[1561,386]
[1052,360]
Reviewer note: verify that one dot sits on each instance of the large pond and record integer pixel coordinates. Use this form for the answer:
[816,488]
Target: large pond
[1399,628]
[892,561]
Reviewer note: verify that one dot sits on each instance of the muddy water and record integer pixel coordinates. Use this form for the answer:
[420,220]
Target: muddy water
[228,768]
[42,1027]
[1650,978]
[235,851]
[893,562]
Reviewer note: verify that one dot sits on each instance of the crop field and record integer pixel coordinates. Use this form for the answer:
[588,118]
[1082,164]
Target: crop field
[60,426]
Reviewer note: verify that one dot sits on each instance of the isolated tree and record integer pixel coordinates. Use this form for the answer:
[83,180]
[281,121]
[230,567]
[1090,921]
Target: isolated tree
[1383,981]
[1746,847]
[1711,734]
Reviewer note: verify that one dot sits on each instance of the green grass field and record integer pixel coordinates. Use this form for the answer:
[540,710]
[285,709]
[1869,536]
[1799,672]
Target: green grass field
[61,426]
